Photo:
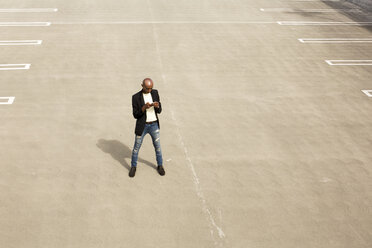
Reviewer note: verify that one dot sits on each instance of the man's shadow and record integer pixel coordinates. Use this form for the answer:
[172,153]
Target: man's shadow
[120,152]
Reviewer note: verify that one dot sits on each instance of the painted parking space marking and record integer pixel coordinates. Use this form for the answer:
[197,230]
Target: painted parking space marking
[349,62]
[24,24]
[162,22]
[335,40]
[308,10]
[9,100]
[20,42]
[367,92]
[7,67]
[301,23]
[25,10]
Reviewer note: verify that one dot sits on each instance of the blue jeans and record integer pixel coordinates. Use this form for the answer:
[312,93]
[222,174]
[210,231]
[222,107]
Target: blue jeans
[154,131]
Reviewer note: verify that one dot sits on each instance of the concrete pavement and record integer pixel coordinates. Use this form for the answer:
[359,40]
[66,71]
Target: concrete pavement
[264,143]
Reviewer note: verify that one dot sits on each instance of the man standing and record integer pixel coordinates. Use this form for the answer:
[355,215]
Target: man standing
[146,107]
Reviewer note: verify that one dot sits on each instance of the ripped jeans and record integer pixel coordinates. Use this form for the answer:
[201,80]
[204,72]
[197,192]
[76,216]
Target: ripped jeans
[154,131]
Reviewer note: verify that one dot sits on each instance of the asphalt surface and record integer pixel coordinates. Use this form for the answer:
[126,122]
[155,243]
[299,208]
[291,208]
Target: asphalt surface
[264,143]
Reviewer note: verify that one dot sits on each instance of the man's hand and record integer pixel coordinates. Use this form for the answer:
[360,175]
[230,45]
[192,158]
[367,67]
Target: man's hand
[146,106]
[156,104]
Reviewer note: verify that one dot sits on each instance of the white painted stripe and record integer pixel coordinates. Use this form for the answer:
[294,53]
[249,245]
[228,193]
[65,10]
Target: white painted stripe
[349,62]
[10,100]
[167,22]
[13,24]
[19,42]
[335,40]
[301,23]
[367,92]
[29,10]
[7,67]
[308,10]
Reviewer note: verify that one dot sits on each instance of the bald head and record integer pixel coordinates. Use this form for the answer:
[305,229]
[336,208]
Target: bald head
[147,85]
[148,82]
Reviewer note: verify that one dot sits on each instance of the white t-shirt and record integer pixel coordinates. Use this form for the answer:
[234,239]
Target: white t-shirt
[150,112]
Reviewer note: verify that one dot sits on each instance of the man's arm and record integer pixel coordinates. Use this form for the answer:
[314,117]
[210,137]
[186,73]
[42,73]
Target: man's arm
[137,110]
[157,104]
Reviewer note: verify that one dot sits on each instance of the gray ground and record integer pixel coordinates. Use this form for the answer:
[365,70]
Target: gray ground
[265,145]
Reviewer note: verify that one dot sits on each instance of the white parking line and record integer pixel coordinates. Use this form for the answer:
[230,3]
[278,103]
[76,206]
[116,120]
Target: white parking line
[10,100]
[29,10]
[300,23]
[335,40]
[308,10]
[349,62]
[21,24]
[164,22]
[367,92]
[7,67]
[19,42]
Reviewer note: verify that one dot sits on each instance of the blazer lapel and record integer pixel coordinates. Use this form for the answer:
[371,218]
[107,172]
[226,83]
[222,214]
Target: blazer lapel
[141,98]
[152,96]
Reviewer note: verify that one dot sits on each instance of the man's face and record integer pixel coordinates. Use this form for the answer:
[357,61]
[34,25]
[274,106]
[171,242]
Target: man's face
[147,86]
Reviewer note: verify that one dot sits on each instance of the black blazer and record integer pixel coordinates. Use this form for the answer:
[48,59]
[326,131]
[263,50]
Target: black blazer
[137,103]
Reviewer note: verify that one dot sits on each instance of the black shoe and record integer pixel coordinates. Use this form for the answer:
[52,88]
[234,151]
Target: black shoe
[132,171]
[161,170]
